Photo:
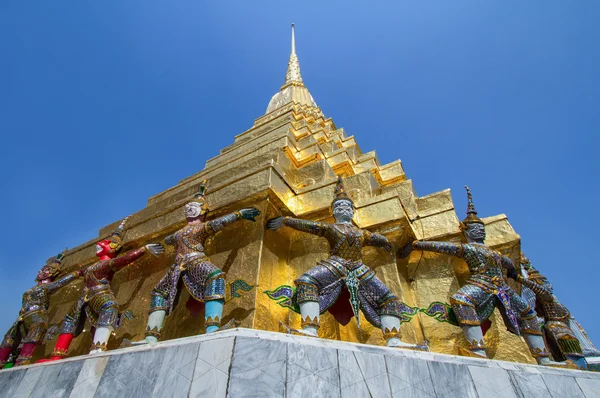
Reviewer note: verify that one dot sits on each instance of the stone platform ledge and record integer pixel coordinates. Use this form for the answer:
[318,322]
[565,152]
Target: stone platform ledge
[254,363]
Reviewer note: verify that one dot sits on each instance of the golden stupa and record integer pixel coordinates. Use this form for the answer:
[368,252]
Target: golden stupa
[286,164]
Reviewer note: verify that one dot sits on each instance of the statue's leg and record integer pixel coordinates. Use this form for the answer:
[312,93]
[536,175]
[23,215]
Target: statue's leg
[4,355]
[390,326]
[155,324]
[107,322]
[531,330]
[8,343]
[571,347]
[309,287]
[474,336]
[27,351]
[309,311]
[62,346]
[213,313]
[100,340]
[71,326]
[214,294]
[158,309]
[308,300]
[537,347]
[35,326]
[380,305]
[472,305]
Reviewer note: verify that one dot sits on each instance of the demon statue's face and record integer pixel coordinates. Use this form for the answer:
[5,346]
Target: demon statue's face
[193,210]
[343,210]
[475,232]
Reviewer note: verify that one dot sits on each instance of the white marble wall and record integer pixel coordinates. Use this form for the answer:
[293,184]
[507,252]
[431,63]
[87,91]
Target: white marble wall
[250,363]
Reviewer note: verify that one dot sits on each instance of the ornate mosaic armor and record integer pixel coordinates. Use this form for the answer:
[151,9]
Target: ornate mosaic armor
[324,282]
[203,280]
[561,340]
[97,298]
[33,318]
[486,289]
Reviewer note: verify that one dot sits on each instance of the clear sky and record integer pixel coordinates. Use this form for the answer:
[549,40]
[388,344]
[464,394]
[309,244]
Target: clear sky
[106,103]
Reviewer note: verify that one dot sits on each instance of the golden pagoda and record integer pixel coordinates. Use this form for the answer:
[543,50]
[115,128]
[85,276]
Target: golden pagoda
[287,163]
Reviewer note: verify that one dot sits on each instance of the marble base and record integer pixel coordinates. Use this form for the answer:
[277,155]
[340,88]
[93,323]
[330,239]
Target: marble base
[254,363]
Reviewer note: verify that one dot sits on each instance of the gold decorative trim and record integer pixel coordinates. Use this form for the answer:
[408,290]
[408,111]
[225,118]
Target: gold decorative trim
[477,345]
[23,361]
[393,333]
[154,332]
[98,346]
[210,321]
[538,353]
[59,352]
[313,323]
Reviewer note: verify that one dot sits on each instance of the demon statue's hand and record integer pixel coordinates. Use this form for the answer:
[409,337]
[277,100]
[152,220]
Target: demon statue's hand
[155,249]
[275,223]
[405,251]
[387,246]
[250,213]
[512,273]
[81,271]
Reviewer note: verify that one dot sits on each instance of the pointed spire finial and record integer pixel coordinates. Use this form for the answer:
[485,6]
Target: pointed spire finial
[293,41]
[293,70]
[471,212]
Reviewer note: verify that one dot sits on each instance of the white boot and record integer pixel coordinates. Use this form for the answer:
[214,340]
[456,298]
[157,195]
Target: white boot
[390,326]
[309,311]
[100,339]
[155,323]
[537,347]
[474,336]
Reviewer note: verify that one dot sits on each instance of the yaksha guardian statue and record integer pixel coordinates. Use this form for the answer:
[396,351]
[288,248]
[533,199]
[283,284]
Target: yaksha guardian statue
[97,298]
[486,289]
[30,329]
[318,289]
[203,280]
[537,289]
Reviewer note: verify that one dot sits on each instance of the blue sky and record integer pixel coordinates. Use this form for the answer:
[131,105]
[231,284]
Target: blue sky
[104,104]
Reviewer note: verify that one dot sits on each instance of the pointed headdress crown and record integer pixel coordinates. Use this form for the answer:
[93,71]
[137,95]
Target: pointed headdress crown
[526,263]
[340,193]
[471,212]
[54,263]
[116,238]
[200,197]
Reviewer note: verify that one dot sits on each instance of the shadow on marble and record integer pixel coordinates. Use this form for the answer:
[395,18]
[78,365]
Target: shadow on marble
[258,368]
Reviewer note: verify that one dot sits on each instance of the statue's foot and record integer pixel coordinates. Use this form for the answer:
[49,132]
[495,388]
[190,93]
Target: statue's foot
[400,344]
[228,325]
[51,359]
[150,340]
[310,332]
[553,364]
[472,353]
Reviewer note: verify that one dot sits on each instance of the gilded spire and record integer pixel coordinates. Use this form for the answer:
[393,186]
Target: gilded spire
[471,212]
[293,90]
[293,41]
[293,70]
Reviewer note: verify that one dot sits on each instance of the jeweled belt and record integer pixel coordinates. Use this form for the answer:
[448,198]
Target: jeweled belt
[491,283]
[183,262]
[94,290]
[31,310]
